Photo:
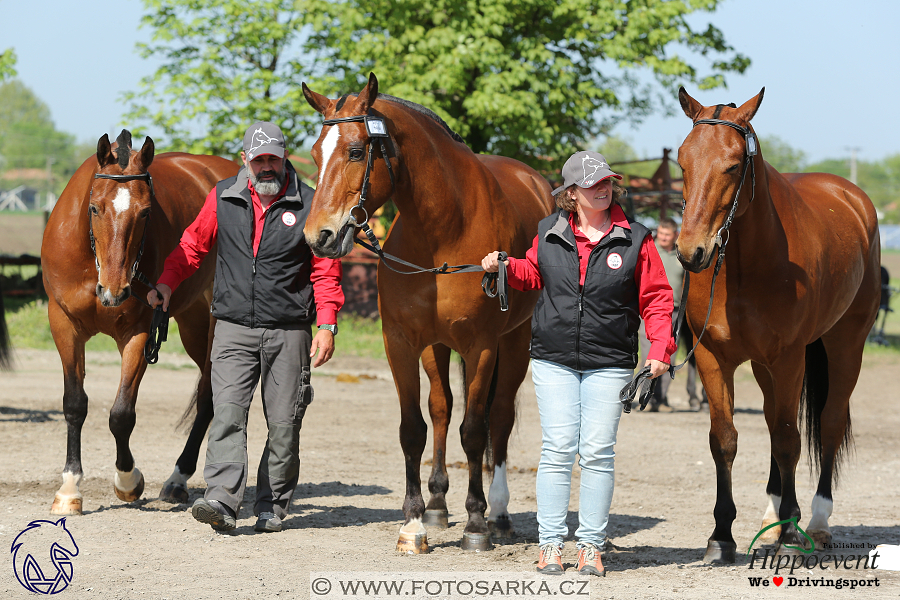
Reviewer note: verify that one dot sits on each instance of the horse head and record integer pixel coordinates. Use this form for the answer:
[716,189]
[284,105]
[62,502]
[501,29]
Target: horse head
[715,161]
[119,211]
[341,155]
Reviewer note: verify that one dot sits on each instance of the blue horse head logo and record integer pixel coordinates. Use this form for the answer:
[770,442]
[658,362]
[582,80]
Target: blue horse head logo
[42,556]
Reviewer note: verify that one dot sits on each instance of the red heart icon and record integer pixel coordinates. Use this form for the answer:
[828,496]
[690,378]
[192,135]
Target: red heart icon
[778,580]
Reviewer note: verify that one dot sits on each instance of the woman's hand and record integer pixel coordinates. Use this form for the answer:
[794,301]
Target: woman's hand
[657,367]
[491,262]
[165,293]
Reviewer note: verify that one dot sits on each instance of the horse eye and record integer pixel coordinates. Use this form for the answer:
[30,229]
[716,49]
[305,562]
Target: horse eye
[732,168]
[93,209]
[356,154]
[145,213]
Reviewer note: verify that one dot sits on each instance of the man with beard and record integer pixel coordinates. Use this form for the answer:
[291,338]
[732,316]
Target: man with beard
[269,289]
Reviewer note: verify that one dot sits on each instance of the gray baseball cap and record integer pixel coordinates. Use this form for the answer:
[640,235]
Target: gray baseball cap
[263,138]
[585,169]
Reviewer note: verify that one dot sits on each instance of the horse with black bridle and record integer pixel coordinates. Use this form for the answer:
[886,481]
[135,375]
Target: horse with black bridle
[796,294]
[453,206]
[118,219]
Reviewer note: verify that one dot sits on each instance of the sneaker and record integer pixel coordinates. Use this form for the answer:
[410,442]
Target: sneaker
[268,522]
[589,562]
[213,513]
[550,560]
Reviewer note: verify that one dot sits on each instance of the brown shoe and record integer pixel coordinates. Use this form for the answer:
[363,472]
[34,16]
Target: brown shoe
[550,560]
[665,408]
[589,562]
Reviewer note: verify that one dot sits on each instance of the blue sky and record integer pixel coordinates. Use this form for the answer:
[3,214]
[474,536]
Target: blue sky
[830,70]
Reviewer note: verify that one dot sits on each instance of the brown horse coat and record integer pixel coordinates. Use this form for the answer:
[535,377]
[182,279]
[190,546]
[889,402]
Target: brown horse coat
[87,298]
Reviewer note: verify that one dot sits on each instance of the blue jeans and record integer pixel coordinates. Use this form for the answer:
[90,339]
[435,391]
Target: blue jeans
[580,413]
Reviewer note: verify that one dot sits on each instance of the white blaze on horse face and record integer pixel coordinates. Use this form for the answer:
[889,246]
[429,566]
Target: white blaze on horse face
[328,146]
[821,511]
[498,495]
[122,200]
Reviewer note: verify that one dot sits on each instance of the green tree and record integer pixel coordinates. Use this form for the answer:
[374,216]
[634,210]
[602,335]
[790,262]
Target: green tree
[530,79]
[226,63]
[7,64]
[781,155]
[29,139]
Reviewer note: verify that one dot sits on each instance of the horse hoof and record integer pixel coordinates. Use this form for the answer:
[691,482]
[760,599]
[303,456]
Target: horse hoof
[435,517]
[132,495]
[770,536]
[412,543]
[476,541]
[720,552]
[821,537]
[174,493]
[66,505]
[502,528]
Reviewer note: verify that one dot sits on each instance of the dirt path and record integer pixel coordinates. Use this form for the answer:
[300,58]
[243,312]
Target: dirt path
[347,509]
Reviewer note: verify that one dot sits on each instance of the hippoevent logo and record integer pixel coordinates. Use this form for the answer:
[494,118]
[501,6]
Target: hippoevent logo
[807,559]
[42,556]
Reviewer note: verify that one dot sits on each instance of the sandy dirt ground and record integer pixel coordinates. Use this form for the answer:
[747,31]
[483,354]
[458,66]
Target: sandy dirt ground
[347,508]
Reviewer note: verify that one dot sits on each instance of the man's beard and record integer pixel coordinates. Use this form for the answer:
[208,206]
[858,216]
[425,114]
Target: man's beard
[270,187]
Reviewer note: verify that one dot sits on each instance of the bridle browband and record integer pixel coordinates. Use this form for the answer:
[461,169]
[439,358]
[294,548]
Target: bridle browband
[159,323]
[493,284]
[642,379]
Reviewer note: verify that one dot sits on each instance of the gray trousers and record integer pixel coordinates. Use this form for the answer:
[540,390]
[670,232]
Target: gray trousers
[241,358]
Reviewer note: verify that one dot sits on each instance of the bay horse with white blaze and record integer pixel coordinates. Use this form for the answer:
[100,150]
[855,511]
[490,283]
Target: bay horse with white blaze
[112,221]
[797,294]
[454,206]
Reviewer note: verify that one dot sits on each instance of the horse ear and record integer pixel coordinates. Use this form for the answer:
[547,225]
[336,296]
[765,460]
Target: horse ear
[147,151]
[690,106]
[748,109]
[317,101]
[368,95]
[104,152]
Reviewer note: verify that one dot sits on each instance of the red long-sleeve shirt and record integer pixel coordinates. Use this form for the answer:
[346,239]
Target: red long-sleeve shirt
[199,237]
[654,292]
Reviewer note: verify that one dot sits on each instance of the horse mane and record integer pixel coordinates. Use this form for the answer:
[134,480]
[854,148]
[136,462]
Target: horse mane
[412,106]
[123,151]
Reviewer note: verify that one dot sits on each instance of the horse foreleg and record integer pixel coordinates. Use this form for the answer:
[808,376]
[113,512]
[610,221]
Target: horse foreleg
[781,417]
[436,361]
[773,487]
[129,482]
[196,327]
[70,344]
[513,357]
[404,361]
[473,433]
[718,381]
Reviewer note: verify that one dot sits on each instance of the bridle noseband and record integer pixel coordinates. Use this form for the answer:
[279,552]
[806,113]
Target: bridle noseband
[377,132]
[122,178]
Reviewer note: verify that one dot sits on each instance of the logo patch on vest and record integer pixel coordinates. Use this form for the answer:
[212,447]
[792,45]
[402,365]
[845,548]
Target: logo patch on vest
[614,261]
[288,219]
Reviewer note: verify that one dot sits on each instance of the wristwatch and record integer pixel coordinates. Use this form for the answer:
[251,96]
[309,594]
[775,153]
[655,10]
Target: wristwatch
[331,328]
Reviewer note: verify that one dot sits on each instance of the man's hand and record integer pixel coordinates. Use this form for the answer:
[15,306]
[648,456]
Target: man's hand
[491,262]
[657,367]
[323,343]
[154,300]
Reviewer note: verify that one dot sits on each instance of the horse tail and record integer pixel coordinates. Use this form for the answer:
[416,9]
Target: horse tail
[186,422]
[5,345]
[812,403]
[492,391]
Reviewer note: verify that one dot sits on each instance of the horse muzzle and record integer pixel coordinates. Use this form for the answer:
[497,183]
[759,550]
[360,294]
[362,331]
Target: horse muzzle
[331,244]
[700,260]
[110,300]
